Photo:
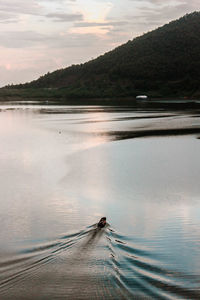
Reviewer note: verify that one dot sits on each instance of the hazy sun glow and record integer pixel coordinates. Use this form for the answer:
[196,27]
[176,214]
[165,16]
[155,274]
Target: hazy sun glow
[94,11]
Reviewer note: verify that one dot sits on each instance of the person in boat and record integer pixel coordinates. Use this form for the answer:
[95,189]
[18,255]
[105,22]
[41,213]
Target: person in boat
[102,222]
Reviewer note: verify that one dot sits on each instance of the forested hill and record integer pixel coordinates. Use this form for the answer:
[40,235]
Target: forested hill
[163,62]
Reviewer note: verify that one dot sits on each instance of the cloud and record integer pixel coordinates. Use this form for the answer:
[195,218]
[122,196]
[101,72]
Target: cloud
[51,34]
[11,10]
[18,39]
[27,39]
[151,14]
[62,17]
[160,6]
[20,7]
[59,1]
[101,24]
[6,17]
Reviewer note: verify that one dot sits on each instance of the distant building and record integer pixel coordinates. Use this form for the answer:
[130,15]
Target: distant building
[144,97]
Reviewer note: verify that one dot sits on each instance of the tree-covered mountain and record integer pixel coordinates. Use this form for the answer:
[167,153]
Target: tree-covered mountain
[163,62]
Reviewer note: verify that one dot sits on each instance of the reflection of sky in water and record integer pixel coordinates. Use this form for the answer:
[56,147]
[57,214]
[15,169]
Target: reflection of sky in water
[62,168]
[59,174]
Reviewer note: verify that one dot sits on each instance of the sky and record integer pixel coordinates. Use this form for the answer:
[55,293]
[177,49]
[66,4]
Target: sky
[40,36]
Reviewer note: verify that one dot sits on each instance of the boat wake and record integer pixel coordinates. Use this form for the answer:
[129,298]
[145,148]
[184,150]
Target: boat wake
[92,264]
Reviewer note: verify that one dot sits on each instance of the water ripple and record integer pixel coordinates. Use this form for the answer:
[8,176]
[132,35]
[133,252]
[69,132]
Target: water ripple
[139,270]
[119,266]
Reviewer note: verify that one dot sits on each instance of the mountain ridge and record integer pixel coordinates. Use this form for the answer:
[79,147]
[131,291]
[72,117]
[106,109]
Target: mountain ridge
[161,63]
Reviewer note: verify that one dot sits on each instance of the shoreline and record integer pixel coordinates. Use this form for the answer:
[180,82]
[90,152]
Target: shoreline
[120,101]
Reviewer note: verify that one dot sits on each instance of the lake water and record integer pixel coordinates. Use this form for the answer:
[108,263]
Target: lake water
[62,168]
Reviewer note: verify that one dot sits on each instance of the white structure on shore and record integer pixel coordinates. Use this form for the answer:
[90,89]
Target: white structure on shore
[144,97]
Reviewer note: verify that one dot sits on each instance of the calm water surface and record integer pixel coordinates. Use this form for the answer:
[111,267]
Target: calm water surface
[64,167]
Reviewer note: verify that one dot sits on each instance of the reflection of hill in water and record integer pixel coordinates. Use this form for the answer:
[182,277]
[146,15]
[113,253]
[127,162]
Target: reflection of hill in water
[145,124]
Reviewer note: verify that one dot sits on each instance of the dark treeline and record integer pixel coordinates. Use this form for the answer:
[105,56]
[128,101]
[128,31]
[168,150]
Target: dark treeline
[162,63]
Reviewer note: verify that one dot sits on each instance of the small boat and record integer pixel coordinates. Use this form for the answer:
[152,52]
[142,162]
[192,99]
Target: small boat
[102,222]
